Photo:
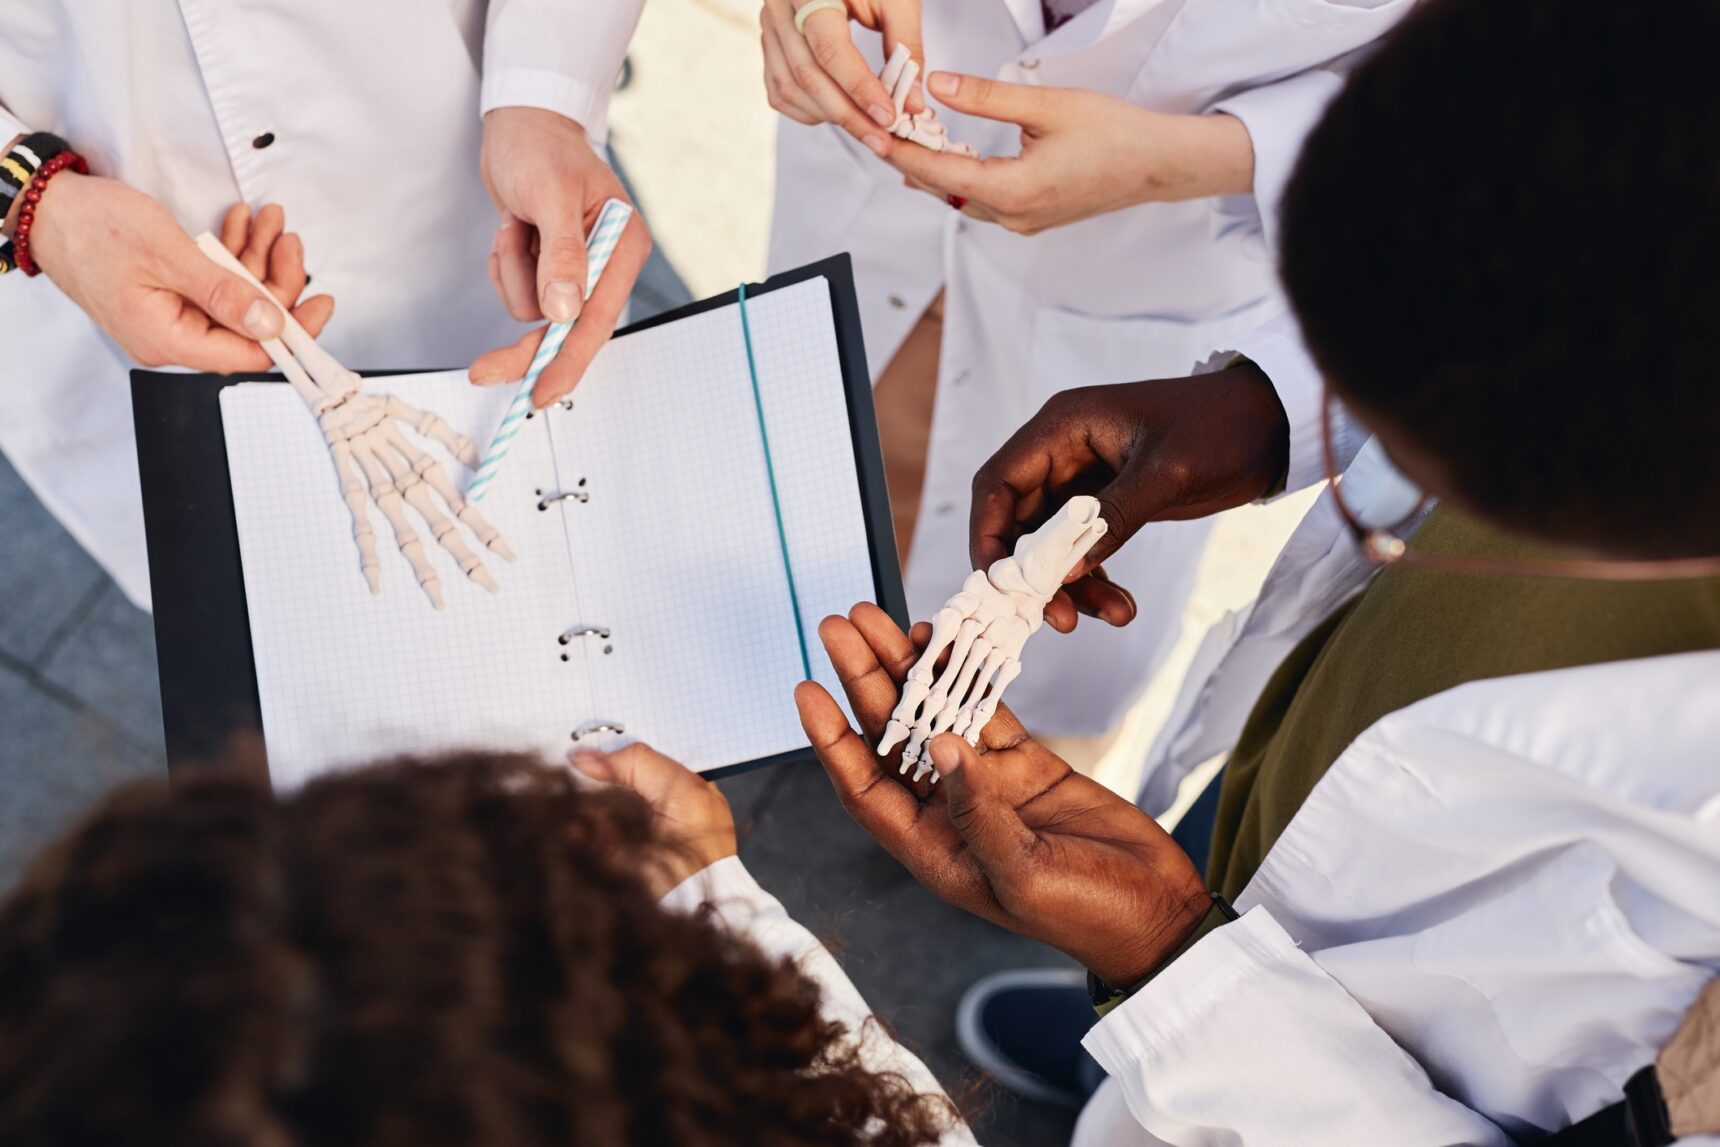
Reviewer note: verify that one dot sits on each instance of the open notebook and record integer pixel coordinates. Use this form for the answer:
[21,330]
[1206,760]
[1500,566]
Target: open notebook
[709,611]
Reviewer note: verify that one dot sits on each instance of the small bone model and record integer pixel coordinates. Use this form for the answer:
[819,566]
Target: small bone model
[923,128]
[370,450]
[984,628]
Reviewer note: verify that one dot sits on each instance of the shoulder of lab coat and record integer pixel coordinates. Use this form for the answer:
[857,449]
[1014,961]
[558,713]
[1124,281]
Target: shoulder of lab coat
[733,897]
[1416,842]
[558,55]
[1276,347]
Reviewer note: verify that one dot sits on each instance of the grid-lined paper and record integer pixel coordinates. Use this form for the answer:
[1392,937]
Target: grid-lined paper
[345,677]
[676,554]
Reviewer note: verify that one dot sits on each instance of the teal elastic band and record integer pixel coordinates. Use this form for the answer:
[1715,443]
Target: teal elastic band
[775,499]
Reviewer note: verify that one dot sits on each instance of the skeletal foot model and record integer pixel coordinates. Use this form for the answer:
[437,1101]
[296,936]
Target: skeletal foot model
[371,454]
[984,627]
[923,128]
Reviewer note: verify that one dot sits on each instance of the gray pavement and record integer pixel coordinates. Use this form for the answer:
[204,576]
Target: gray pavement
[80,713]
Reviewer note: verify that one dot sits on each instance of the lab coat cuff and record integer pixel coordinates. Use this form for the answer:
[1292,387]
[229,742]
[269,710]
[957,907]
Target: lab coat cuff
[735,900]
[1278,350]
[585,103]
[1278,118]
[1190,995]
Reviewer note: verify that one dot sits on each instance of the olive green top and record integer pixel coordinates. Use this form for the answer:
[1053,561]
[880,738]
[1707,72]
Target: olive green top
[1414,633]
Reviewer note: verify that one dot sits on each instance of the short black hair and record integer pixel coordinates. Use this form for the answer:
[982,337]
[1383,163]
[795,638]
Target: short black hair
[1504,240]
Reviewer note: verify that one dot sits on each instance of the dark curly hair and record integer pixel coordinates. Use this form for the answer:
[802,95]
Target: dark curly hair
[1503,240]
[455,952]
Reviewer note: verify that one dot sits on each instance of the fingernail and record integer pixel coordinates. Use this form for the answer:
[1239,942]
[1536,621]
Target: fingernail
[881,115]
[486,379]
[943,83]
[561,302]
[946,756]
[877,144]
[262,320]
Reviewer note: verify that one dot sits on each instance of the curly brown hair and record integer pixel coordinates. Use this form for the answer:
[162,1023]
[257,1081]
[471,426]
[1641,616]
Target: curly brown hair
[454,952]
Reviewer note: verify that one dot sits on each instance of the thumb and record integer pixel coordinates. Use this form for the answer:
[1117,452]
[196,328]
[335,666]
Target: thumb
[225,297]
[1137,495]
[561,261]
[1026,105]
[997,837]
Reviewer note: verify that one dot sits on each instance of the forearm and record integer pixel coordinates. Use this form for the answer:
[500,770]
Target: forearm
[1180,157]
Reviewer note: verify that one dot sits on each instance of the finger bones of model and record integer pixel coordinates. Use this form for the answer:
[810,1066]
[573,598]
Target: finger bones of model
[983,628]
[375,460]
[923,128]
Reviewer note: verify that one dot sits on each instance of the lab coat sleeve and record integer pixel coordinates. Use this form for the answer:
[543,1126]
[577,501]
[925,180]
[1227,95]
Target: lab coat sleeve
[11,125]
[1246,1040]
[1278,118]
[736,899]
[560,55]
[1276,347]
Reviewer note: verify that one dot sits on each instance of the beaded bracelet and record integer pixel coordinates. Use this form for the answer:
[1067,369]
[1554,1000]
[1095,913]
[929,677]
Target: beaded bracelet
[32,198]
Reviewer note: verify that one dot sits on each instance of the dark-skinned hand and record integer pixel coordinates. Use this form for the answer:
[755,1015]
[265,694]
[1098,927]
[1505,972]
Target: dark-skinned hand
[1162,450]
[1012,833]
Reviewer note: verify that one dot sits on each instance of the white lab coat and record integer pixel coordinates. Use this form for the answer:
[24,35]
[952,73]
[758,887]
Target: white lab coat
[374,112]
[1493,910]
[1142,293]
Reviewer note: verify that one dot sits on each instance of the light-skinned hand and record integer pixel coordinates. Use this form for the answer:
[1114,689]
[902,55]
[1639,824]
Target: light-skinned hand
[691,814]
[1012,833]
[124,259]
[821,77]
[1082,154]
[1163,450]
[550,184]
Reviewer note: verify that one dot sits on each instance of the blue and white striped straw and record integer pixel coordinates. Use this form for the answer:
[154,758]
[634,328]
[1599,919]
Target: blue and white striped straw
[611,221]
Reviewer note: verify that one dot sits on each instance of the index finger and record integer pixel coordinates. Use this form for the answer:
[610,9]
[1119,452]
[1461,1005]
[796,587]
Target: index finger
[598,318]
[832,47]
[952,174]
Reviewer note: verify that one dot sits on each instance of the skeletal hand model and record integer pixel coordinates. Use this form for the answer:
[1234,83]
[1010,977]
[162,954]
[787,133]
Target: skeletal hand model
[984,628]
[370,452]
[923,128]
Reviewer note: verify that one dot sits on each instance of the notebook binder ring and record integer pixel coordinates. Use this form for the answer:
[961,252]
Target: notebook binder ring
[546,499]
[593,728]
[601,632]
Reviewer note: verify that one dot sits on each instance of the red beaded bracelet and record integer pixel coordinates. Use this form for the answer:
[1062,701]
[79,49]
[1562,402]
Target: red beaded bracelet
[32,196]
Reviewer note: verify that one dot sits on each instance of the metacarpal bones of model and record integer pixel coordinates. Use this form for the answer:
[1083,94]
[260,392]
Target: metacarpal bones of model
[898,78]
[984,628]
[373,456]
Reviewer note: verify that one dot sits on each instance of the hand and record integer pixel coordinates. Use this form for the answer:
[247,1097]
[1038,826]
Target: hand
[821,77]
[122,258]
[1163,450]
[1013,834]
[550,185]
[1082,154]
[691,814]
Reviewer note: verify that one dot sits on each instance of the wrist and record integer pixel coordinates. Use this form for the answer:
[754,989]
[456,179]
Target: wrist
[1164,933]
[1193,157]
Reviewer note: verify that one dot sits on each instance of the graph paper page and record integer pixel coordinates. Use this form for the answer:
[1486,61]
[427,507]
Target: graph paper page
[345,677]
[677,552]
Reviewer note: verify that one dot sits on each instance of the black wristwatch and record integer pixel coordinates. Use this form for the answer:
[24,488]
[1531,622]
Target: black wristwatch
[1105,996]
